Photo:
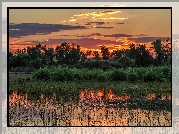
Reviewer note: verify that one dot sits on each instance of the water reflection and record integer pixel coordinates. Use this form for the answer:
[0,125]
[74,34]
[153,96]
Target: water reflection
[92,109]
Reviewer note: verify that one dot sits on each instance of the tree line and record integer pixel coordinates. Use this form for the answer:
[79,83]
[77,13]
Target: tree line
[71,55]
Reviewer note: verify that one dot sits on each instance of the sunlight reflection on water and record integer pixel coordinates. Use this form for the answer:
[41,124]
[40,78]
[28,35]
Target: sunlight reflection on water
[35,113]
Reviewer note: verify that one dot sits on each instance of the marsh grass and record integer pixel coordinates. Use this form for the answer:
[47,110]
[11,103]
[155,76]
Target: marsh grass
[72,88]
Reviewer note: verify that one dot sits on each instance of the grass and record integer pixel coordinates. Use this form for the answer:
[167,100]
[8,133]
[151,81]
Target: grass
[63,89]
[67,83]
[139,112]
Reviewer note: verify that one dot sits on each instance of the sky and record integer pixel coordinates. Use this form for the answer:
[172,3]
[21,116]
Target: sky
[89,28]
[174,5]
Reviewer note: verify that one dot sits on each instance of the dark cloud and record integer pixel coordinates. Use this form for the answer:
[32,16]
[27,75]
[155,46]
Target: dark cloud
[84,42]
[121,23]
[147,39]
[118,35]
[96,34]
[97,23]
[64,35]
[25,29]
[93,34]
[141,35]
[112,35]
[103,27]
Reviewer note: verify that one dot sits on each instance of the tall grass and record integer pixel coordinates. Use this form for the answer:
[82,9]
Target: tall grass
[73,88]
[60,73]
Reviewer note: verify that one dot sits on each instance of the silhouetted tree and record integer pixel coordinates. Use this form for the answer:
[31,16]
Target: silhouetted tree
[84,55]
[140,54]
[105,52]
[74,54]
[67,54]
[163,52]
[116,54]
[96,55]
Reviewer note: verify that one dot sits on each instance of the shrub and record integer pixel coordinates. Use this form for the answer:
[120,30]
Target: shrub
[126,62]
[63,74]
[132,75]
[78,74]
[37,63]
[159,76]
[102,77]
[149,75]
[166,70]
[118,74]
[140,72]
[42,74]
[69,74]
[160,73]
[104,66]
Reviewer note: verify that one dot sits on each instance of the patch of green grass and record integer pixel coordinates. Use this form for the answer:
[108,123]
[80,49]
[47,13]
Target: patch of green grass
[72,88]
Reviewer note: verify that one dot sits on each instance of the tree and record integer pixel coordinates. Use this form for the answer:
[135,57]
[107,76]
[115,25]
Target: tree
[33,52]
[84,55]
[18,51]
[140,54]
[143,56]
[163,52]
[105,52]
[74,54]
[96,55]
[67,54]
[20,60]
[116,54]
[37,63]
[126,62]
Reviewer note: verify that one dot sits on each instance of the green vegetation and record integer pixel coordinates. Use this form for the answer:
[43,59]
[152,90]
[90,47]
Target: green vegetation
[66,70]
[142,74]
[72,88]
[70,55]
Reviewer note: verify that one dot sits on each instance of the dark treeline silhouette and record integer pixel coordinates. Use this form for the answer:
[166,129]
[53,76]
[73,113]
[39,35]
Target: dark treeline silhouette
[71,55]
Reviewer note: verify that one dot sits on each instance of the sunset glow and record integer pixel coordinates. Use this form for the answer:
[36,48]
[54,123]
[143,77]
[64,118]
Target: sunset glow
[89,28]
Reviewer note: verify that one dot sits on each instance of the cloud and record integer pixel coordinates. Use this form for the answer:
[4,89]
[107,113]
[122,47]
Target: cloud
[25,29]
[121,23]
[93,34]
[97,23]
[96,16]
[111,35]
[147,39]
[118,35]
[83,42]
[102,27]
